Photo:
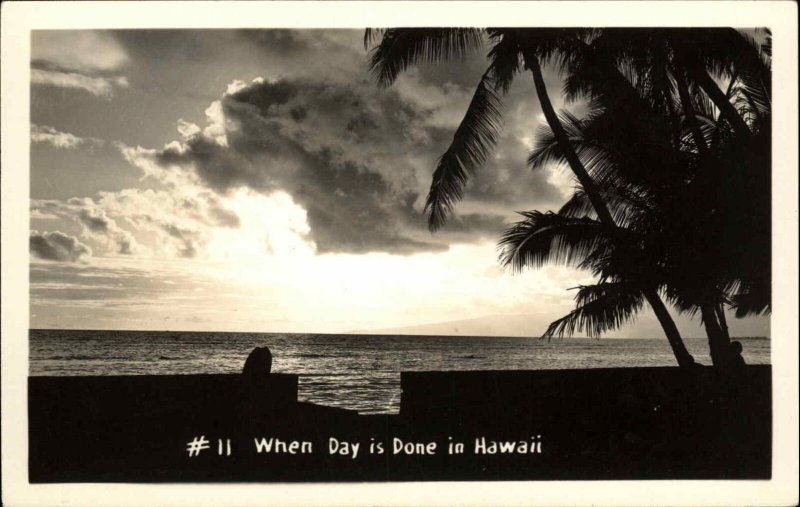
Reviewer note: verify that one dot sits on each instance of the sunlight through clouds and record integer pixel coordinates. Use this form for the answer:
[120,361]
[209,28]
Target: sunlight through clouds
[271,227]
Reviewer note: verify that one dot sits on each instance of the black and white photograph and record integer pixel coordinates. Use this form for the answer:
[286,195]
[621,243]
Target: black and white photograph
[404,253]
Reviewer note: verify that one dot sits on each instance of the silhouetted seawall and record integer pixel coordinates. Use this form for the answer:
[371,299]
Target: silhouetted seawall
[622,423]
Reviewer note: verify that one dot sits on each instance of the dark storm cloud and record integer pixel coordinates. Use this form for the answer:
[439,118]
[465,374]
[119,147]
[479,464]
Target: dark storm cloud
[357,157]
[160,44]
[482,225]
[343,159]
[278,40]
[465,73]
[493,184]
[57,246]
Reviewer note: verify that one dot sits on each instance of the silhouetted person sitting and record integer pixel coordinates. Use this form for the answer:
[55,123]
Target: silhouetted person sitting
[736,368]
[735,358]
[257,366]
[255,391]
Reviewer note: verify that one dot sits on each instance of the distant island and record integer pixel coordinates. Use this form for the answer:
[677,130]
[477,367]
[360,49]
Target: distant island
[530,326]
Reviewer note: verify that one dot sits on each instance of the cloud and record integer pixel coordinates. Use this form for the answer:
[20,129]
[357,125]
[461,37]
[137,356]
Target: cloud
[78,59]
[94,222]
[99,86]
[65,140]
[183,218]
[57,246]
[81,50]
[176,223]
[279,40]
[357,158]
[186,237]
[321,54]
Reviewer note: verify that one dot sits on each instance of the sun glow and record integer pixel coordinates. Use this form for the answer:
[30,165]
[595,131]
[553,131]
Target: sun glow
[273,230]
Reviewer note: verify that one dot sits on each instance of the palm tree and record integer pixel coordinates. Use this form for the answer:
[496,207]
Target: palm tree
[706,164]
[691,56]
[728,159]
[477,133]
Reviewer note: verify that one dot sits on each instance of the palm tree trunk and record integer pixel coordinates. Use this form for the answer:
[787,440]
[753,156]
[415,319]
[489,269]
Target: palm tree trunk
[718,343]
[670,329]
[720,100]
[685,359]
[592,192]
[723,322]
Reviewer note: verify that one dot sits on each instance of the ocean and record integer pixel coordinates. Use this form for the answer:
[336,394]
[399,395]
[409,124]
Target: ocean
[360,372]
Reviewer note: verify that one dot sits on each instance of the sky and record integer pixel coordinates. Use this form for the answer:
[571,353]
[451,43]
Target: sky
[260,180]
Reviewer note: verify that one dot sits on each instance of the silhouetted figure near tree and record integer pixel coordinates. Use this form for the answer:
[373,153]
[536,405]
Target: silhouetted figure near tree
[736,361]
[735,370]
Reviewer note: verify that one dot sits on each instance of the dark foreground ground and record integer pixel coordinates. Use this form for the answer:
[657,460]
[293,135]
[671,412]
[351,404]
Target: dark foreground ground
[627,423]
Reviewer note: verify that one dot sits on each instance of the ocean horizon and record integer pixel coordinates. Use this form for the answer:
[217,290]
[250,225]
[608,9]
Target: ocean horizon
[354,371]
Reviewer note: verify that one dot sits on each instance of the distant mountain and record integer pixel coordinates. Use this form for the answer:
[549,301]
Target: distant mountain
[533,325]
[491,325]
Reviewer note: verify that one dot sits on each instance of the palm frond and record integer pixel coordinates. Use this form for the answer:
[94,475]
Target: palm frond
[753,299]
[505,58]
[580,82]
[659,85]
[551,238]
[704,106]
[371,35]
[601,308]
[474,139]
[753,98]
[752,93]
[708,127]
[401,48]
[752,104]
[614,171]
[766,47]
[623,203]
[545,150]
[754,63]
[683,301]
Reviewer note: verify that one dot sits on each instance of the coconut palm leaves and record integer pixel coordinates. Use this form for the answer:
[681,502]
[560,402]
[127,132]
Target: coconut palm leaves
[401,48]
[552,238]
[477,134]
[599,308]
[472,143]
[581,242]
[681,213]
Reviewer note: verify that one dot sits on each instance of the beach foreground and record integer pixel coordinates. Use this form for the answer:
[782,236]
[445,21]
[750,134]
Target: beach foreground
[620,423]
